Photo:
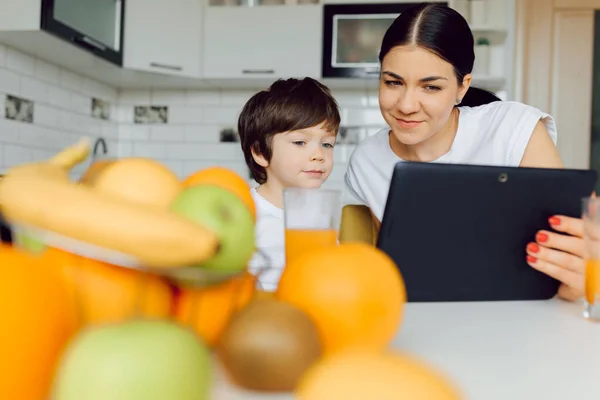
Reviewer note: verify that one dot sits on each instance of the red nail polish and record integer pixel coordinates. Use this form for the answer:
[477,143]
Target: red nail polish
[554,221]
[541,237]
[531,259]
[533,247]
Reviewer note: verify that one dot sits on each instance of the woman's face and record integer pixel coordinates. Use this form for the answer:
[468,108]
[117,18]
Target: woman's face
[417,92]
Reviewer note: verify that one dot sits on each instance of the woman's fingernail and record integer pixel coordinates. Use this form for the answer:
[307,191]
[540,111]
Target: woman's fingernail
[533,247]
[541,237]
[554,221]
[531,259]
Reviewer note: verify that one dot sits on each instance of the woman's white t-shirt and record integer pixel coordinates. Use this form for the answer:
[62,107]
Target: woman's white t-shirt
[491,134]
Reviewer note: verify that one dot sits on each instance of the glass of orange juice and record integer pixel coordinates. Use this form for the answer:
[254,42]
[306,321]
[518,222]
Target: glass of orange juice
[312,218]
[591,235]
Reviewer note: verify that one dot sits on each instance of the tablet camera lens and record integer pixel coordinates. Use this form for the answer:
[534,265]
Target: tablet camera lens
[503,178]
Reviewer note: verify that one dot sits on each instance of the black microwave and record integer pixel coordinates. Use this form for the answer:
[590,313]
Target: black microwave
[352,35]
[94,25]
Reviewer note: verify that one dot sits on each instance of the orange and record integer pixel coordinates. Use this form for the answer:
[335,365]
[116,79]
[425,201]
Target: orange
[36,323]
[354,293]
[360,375]
[226,179]
[105,293]
[209,309]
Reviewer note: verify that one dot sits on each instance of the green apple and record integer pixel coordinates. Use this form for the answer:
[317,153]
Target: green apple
[29,243]
[136,360]
[227,216]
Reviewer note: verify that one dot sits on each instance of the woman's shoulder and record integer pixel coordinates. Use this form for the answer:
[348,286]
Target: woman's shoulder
[501,109]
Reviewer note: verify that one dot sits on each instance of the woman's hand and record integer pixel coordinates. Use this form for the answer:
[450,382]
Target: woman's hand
[560,255]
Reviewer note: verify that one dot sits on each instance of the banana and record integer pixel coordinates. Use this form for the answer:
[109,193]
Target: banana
[41,195]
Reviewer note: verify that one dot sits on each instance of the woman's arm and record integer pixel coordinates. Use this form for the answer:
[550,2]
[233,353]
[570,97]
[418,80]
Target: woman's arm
[541,152]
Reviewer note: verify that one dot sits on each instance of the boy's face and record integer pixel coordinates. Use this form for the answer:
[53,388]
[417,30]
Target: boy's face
[301,158]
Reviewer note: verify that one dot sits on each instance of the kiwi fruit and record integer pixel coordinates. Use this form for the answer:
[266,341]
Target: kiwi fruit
[268,345]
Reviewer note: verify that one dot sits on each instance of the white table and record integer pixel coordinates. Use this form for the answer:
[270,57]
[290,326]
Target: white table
[538,350]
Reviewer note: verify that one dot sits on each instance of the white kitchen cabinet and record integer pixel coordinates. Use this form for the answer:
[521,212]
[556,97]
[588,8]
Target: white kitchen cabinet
[163,36]
[262,42]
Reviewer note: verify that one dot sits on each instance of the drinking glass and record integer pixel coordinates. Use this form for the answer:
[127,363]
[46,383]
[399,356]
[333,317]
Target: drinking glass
[312,218]
[591,235]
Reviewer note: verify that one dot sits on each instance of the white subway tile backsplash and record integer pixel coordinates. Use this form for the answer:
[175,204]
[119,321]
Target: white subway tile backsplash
[46,72]
[166,133]
[236,98]
[80,104]
[34,89]
[109,130]
[134,97]
[59,97]
[151,150]
[221,151]
[10,82]
[205,151]
[168,97]
[124,114]
[66,120]
[91,126]
[99,90]
[227,116]
[36,136]
[202,133]
[71,81]
[184,151]
[46,116]
[41,154]
[112,149]
[15,154]
[185,115]
[134,132]
[10,131]
[124,149]
[20,62]
[203,97]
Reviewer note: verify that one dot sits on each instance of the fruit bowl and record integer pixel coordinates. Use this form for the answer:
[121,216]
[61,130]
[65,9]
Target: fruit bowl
[31,238]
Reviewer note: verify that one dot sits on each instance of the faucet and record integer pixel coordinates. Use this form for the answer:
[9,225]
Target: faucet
[99,142]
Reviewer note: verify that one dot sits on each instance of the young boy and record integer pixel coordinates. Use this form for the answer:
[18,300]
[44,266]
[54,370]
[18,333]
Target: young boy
[287,133]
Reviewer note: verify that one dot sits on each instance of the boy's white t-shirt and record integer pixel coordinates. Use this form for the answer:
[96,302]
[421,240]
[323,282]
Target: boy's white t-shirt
[270,240]
[491,134]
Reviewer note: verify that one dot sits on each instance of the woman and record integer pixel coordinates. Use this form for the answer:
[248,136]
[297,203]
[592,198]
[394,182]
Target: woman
[426,63]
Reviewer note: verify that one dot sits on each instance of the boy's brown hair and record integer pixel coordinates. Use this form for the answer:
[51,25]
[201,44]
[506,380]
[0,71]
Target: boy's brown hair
[287,105]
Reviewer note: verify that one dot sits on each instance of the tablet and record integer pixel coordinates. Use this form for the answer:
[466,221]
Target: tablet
[459,232]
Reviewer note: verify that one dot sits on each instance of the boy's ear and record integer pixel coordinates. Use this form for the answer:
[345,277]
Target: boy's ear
[259,159]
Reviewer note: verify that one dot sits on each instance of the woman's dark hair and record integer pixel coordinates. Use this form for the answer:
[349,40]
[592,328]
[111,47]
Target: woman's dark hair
[443,31]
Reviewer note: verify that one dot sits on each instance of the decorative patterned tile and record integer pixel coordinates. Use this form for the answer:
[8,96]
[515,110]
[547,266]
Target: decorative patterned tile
[151,114]
[18,109]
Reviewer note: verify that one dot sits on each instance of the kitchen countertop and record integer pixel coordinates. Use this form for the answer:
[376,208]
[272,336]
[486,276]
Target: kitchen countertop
[495,350]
